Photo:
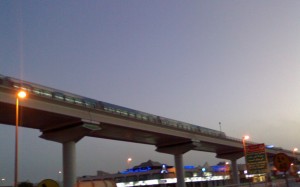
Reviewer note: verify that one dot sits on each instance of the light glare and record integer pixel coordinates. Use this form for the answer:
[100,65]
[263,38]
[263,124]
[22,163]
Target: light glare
[22,94]
[246,137]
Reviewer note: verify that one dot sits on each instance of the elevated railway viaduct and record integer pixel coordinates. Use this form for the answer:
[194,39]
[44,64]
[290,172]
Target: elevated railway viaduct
[66,118]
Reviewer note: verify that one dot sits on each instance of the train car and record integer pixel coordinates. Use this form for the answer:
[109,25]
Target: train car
[92,104]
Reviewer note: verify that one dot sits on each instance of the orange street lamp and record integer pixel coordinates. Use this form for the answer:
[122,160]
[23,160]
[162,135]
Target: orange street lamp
[128,162]
[21,94]
[294,153]
[295,150]
[246,137]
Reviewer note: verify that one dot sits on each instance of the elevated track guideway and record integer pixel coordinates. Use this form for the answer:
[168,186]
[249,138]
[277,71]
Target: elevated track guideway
[66,118]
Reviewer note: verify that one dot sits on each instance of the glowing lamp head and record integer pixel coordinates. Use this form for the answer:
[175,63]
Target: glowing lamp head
[21,94]
[295,149]
[246,137]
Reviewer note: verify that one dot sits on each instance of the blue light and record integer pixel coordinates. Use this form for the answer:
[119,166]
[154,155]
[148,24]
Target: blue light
[136,170]
[218,168]
[189,167]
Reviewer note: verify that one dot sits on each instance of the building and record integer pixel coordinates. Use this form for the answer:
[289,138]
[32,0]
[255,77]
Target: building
[153,173]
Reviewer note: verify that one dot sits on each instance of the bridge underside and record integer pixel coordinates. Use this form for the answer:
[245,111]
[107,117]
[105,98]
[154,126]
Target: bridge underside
[62,128]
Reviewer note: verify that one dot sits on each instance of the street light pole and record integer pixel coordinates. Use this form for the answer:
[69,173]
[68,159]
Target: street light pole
[294,153]
[16,142]
[59,174]
[20,94]
[246,137]
[294,167]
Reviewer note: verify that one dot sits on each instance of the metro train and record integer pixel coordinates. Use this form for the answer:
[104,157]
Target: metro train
[43,91]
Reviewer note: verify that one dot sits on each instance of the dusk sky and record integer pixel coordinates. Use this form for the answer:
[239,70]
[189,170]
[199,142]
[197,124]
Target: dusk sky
[199,61]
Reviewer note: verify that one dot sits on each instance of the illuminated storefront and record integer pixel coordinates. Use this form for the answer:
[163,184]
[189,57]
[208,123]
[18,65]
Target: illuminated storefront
[156,174]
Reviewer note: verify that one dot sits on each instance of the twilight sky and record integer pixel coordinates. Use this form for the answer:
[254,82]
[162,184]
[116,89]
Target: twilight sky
[198,61]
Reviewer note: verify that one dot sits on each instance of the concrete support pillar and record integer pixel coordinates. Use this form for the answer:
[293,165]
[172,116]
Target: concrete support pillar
[179,170]
[235,172]
[69,164]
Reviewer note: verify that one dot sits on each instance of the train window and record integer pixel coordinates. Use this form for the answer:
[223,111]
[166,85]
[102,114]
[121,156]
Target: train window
[69,99]
[26,87]
[78,101]
[186,127]
[111,110]
[124,113]
[22,86]
[138,116]
[16,85]
[145,118]
[132,115]
[89,104]
[45,93]
[172,123]
[36,91]
[58,96]
[118,111]
[179,125]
